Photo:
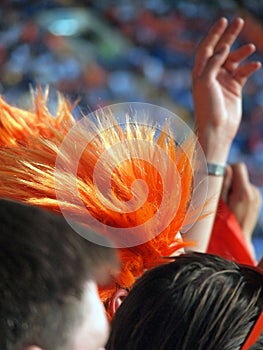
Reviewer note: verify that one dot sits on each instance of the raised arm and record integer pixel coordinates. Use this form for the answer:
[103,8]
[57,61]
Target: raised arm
[218,78]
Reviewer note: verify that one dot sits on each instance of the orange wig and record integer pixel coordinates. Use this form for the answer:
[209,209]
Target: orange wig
[30,143]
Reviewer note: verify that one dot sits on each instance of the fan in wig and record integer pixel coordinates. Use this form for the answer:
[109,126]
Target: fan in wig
[30,142]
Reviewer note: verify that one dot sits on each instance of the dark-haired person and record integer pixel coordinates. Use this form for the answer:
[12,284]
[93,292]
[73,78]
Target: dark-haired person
[48,282]
[28,156]
[199,301]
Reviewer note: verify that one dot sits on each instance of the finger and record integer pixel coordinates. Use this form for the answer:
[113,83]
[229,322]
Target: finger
[243,72]
[231,33]
[207,45]
[240,180]
[216,61]
[257,196]
[227,183]
[253,205]
[218,37]
[237,56]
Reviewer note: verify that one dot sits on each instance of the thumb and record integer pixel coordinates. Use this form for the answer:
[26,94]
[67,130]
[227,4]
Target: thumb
[240,178]
[227,183]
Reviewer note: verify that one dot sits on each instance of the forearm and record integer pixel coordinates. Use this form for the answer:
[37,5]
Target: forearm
[216,151]
[218,75]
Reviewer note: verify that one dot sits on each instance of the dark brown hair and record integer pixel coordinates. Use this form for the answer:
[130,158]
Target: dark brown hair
[44,265]
[199,301]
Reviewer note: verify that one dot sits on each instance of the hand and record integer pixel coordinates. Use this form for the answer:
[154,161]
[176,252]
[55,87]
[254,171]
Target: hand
[242,198]
[218,78]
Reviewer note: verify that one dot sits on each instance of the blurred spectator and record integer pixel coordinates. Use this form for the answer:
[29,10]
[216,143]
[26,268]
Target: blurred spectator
[111,52]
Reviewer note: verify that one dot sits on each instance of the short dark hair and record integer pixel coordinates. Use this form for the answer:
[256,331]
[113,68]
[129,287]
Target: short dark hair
[199,301]
[44,265]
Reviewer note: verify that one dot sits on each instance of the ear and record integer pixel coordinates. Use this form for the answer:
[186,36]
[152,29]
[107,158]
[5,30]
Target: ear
[117,300]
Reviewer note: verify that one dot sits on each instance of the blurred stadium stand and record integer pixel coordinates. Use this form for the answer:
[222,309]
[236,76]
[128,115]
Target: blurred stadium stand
[105,52]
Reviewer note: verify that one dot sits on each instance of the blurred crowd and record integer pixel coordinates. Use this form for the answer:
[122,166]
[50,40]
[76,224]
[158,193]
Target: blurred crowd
[105,52]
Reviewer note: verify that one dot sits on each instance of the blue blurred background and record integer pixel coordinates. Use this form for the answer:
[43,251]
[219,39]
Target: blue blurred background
[105,52]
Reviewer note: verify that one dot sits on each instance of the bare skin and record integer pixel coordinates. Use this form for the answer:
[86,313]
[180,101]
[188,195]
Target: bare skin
[243,199]
[218,78]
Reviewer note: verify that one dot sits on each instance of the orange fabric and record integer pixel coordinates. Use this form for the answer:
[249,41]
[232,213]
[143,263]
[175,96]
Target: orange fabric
[227,239]
[29,145]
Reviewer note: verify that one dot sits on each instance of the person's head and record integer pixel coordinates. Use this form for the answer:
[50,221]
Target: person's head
[48,282]
[104,164]
[199,301]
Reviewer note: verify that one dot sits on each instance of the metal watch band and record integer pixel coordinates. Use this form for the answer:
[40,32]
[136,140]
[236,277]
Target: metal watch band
[216,169]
